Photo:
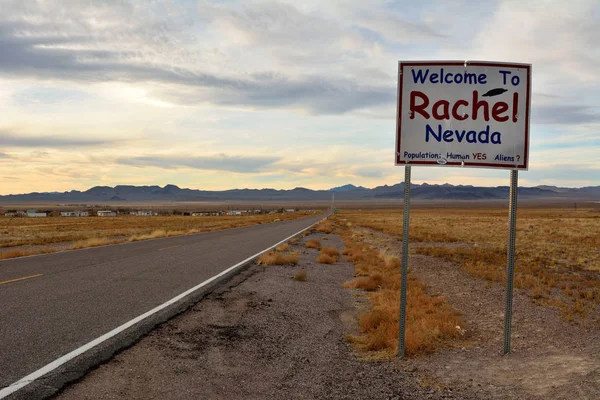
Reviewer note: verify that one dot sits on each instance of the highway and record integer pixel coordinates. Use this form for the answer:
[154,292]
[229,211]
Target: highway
[53,304]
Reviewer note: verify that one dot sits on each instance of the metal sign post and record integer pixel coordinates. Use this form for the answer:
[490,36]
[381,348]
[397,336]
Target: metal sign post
[510,257]
[404,276]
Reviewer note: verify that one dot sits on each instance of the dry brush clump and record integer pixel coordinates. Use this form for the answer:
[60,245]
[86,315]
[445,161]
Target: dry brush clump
[153,235]
[331,251]
[557,257]
[300,276]
[326,259]
[329,255]
[308,232]
[430,323]
[313,244]
[93,242]
[324,227]
[282,247]
[278,258]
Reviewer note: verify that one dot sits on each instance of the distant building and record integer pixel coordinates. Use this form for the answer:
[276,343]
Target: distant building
[10,214]
[34,213]
[106,213]
[290,210]
[206,213]
[142,213]
[74,214]
[37,214]
[234,212]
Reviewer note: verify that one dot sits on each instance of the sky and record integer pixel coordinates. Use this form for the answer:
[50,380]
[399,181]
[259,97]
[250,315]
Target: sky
[272,94]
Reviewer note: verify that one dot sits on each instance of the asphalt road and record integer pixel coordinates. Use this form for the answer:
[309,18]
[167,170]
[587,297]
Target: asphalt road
[71,298]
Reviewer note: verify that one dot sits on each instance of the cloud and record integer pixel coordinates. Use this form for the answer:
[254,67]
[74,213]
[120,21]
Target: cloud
[371,172]
[570,174]
[221,162]
[8,139]
[396,27]
[560,114]
[274,24]
[4,156]
[90,52]
[316,95]
[559,38]
[43,96]
[311,85]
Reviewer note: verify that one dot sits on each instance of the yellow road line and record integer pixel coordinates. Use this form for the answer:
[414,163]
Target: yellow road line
[170,247]
[20,279]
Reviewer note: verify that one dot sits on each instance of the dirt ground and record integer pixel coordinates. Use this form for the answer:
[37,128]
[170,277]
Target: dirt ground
[265,335]
[550,359]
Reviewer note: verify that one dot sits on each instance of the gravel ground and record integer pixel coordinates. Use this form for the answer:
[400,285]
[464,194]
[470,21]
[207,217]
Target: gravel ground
[263,335]
[550,359]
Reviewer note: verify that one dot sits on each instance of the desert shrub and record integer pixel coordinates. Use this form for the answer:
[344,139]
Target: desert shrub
[324,227]
[326,259]
[313,244]
[283,247]
[93,242]
[300,276]
[278,258]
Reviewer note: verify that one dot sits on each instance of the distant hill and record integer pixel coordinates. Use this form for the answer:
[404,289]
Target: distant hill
[347,192]
[347,188]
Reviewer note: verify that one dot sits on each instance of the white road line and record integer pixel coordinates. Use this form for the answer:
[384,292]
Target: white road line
[21,383]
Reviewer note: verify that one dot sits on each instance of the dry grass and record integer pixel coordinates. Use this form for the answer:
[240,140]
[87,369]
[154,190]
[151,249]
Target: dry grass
[300,276]
[330,251]
[27,236]
[278,258]
[431,322]
[293,240]
[16,253]
[283,247]
[557,257]
[329,255]
[93,242]
[313,244]
[324,227]
[326,259]
[154,235]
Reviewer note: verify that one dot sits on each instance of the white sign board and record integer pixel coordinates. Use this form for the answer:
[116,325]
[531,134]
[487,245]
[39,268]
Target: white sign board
[457,113]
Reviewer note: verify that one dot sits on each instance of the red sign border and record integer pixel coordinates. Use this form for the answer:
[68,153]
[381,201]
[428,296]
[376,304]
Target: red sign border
[524,166]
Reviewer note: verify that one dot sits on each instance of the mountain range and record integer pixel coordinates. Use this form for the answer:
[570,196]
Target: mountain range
[173,193]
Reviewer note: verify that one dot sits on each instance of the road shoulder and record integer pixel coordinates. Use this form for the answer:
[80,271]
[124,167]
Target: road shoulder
[262,335]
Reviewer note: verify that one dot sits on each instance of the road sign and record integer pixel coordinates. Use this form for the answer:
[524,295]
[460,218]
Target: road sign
[463,113]
[468,114]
